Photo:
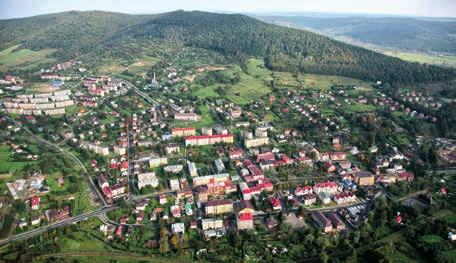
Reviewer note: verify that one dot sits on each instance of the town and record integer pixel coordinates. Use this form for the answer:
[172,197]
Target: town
[183,154]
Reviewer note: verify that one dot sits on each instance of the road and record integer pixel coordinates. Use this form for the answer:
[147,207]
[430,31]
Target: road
[71,220]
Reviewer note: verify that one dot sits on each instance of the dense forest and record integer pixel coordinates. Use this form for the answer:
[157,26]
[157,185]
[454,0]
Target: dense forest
[236,36]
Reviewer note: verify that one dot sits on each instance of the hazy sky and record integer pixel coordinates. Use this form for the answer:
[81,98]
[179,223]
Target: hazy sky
[435,8]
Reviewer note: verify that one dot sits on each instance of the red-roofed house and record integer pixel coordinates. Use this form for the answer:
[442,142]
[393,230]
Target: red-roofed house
[300,191]
[35,202]
[275,203]
[405,176]
[244,214]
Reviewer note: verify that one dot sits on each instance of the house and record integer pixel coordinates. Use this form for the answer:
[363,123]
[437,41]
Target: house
[344,198]
[141,206]
[192,169]
[244,214]
[309,199]
[174,184]
[145,179]
[275,203]
[118,189]
[217,207]
[35,220]
[329,167]
[235,154]
[338,156]
[405,177]
[172,148]
[178,228]
[364,178]
[219,165]
[162,199]
[267,156]
[323,222]
[451,236]
[35,202]
[175,211]
[119,231]
[211,223]
[300,191]
[327,187]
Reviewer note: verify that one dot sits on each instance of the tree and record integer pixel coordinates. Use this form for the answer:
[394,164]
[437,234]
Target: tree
[175,241]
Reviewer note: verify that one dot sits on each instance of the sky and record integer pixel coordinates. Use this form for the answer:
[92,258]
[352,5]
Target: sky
[429,8]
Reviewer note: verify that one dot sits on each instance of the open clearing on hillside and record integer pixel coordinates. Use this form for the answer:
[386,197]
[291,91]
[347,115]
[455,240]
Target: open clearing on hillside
[448,61]
[255,82]
[317,82]
[13,57]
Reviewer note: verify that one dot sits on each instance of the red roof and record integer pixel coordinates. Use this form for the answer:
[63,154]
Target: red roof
[107,192]
[326,184]
[35,200]
[268,156]
[274,202]
[124,165]
[245,217]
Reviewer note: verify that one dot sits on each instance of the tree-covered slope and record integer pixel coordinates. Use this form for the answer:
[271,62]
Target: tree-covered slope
[237,36]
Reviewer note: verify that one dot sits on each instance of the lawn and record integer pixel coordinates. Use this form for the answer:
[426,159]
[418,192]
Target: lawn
[80,242]
[442,60]
[6,164]
[358,108]
[16,56]
[206,119]
[206,92]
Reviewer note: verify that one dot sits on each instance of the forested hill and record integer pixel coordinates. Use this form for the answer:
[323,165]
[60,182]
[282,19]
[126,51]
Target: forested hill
[238,36]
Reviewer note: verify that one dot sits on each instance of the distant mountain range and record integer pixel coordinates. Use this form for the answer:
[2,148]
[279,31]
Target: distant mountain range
[238,37]
[429,35]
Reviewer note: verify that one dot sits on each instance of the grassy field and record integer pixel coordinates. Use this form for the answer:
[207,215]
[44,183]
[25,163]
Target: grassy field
[448,61]
[14,57]
[358,108]
[317,82]
[6,164]
[206,92]
[114,66]
[142,65]
[247,89]
[206,119]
